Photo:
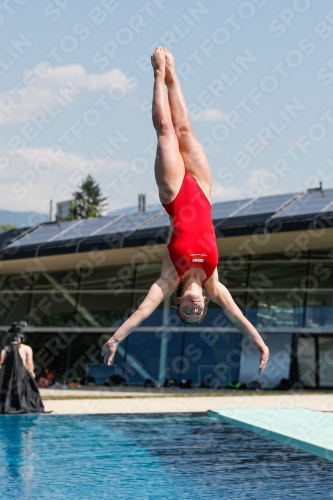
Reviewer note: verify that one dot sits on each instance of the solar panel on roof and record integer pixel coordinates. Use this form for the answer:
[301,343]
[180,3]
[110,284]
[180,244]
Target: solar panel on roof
[42,233]
[68,230]
[160,221]
[227,208]
[86,228]
[264,205]
[63,231]
[131,222]
[312,202]
[328,207]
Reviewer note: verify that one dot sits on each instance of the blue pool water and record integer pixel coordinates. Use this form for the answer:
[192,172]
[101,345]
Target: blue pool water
[151,457]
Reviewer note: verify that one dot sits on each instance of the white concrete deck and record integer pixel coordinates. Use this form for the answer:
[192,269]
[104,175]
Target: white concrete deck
[139,400]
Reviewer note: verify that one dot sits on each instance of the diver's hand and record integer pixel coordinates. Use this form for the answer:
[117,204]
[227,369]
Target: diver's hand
[264,355]
[109,351]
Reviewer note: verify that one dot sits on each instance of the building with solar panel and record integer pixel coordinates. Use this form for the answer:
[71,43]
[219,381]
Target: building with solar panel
[76,282]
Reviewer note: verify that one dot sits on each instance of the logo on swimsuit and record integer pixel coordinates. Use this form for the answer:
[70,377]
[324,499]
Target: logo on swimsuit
[198,260]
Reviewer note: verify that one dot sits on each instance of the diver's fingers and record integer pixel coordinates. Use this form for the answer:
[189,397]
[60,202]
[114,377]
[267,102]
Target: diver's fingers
[263,362]
[262,367]
[105,353]
[112,352]
[108,351]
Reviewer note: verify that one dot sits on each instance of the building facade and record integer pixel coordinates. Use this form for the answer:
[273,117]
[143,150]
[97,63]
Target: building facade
[76,282]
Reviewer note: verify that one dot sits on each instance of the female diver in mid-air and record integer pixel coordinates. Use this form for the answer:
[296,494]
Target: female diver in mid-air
[184,182]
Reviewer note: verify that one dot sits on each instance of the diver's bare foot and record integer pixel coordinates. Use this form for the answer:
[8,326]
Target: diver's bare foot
[170,71]
[158,60]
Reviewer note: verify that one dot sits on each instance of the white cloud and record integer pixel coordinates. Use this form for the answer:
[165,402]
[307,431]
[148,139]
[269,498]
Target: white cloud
[34,176]
[261,182]
[17,107]
[39,88]
[94,82]
[211,115]
[225,193]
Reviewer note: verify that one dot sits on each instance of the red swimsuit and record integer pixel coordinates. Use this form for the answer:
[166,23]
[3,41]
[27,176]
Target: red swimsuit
[193,241]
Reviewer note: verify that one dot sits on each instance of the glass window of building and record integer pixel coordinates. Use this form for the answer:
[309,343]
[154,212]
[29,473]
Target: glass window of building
[233,272]
[276,309]
[145,348]
[320,275]
[14,307]
[210,356]
[306,360]
[319,310]
[325,348]
[103,309]
[276,275]
[146,275]
[116,278]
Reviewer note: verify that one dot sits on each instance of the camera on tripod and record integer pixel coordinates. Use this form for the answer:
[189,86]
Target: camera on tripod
[16,331]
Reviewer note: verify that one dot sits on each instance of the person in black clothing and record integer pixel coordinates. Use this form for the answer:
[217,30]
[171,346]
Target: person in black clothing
[18,390]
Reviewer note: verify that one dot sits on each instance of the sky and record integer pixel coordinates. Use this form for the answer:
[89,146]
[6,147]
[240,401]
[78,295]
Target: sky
[76,88]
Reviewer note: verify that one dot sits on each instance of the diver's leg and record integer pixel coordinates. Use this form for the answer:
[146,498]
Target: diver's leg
[194,157]
[169,164]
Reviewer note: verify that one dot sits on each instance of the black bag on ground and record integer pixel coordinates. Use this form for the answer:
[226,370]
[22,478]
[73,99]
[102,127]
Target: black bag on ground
[18,389]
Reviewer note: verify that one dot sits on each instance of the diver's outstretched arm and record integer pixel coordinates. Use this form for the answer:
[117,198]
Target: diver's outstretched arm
[157,293]
[160,290]
[221,296]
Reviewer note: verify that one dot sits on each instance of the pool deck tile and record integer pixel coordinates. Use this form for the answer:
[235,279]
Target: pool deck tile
[142,403]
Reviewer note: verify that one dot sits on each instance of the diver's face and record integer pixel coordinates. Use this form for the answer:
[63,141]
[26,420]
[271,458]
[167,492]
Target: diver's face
[191,307]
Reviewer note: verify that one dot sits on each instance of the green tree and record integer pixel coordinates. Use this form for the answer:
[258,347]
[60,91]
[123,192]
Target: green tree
[88,200]
[4,227]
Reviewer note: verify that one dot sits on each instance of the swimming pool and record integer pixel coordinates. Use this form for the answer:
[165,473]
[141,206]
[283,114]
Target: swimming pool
[150,457]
